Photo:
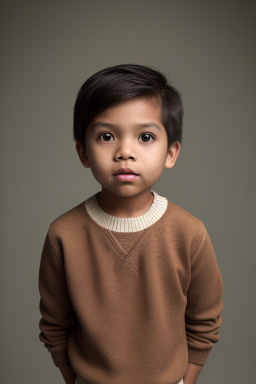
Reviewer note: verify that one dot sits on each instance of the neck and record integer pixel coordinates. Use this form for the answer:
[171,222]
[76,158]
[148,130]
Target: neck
[125,206]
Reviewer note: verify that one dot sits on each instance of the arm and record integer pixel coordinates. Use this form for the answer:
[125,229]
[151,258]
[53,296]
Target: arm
[55,305]
[192,373]
[68,375]
[204,304]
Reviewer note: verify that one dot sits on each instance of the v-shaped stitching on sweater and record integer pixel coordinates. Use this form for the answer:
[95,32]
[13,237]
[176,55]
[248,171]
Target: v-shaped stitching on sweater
[123,253]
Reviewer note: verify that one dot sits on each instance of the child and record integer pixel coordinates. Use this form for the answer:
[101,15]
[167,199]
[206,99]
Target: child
[131,292]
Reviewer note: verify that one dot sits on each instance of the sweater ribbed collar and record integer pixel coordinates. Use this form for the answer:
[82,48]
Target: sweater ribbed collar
[123,224]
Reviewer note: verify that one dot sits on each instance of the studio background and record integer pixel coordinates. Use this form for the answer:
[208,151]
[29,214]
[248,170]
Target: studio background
[207,51]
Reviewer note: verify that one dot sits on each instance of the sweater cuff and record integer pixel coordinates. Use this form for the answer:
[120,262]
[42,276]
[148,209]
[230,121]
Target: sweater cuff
[197,357]
[61,359]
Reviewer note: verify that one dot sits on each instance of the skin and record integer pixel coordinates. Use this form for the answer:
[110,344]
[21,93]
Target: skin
[128,135]
[68,375]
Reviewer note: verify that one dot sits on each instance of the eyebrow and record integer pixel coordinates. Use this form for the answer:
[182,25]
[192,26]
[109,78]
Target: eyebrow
[150,125]
[109,125]
[102,124]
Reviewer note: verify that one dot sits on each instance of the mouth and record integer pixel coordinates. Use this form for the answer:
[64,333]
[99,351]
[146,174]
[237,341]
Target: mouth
[126,174]
[125,171]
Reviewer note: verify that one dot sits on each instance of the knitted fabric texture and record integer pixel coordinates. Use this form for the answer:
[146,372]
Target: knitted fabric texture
[129,303]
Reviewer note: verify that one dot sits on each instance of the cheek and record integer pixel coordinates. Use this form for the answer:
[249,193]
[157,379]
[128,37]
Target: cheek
[99,172]
[98,158]
[156,161]
[100,166]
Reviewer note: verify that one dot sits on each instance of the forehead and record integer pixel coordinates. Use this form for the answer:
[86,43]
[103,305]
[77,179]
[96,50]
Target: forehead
[140,111]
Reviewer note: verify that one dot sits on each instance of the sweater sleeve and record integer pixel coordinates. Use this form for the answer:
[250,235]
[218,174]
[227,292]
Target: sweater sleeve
[55,305]
[204,303]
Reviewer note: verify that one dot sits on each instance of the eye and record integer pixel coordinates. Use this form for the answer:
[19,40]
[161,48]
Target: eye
[147,137]
[106,136]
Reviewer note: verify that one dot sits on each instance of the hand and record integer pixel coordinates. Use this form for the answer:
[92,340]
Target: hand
[192,373]
[68,374]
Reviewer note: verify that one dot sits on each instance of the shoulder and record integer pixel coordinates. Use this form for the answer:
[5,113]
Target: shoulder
[67,223]
[184,228]
[183,219]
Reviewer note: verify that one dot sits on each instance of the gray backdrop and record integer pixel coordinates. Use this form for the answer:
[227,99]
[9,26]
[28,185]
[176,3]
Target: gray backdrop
[49,48]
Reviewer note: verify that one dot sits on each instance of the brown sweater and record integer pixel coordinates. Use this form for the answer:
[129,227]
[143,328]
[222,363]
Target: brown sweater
[129,301]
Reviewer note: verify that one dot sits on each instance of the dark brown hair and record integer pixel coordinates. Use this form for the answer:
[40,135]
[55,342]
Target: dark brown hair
[119,83]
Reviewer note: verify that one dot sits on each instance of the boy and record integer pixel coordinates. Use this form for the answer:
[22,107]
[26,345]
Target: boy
[131,292]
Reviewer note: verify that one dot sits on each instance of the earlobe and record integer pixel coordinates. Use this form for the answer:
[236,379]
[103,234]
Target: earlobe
[172,155]
[82,154]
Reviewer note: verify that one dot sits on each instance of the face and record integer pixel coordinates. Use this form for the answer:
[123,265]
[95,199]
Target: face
[129,135]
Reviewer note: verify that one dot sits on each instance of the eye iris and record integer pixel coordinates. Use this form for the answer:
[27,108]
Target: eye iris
[146,137]
[106,136]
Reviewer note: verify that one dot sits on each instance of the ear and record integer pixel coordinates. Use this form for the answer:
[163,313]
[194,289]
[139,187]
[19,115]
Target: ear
[82,154]
[172,155]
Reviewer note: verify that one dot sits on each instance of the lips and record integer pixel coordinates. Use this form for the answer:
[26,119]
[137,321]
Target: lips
[126,175]
[125,171]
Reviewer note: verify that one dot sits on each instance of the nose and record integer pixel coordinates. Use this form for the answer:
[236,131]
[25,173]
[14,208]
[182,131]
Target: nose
[125,152]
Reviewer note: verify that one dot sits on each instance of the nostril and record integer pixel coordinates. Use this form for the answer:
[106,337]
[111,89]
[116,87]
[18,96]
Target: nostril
[125,158]
[124,155]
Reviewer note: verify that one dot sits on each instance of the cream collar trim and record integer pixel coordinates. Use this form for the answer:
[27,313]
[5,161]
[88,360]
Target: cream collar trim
[123,224]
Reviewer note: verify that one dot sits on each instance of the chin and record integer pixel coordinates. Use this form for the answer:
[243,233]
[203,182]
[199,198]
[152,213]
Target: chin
[128,191]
